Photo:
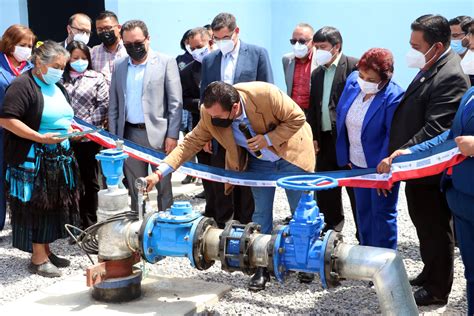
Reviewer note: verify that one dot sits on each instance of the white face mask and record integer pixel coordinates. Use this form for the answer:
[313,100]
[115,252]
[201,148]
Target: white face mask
[368,87]
[415,58]
[22,53]
[226,46]
[323,56]
[300,50]
[467,63]
[81,37]
[200,53]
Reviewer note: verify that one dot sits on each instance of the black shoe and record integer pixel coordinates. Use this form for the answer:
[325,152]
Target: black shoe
[423,298]
[259,280]
[419,280]
[58,261]
[46,269]
[201,195]
[305,277]
[287,220]
[188,179]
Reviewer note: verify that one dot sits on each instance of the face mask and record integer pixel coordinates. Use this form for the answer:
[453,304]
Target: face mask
[415,58]
[467,63]
[220,122]
[81,37]
[368,87]
[80,65]
[136,51]
[22,53]
[300,50]
[188,49]
[52,76]
[456,45]
[107,38]
[200,53]
[226,46]
[323,56]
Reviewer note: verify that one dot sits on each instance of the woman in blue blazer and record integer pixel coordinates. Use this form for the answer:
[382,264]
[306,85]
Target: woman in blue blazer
[458,185]
[364,116]
[15,50]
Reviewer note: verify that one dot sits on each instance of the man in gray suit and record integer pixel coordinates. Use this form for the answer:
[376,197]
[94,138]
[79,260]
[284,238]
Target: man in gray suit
[145,104]
[299,64]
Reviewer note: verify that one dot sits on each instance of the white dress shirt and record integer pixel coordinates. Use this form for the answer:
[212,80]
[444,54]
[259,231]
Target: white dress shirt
[228,64]
[354,122]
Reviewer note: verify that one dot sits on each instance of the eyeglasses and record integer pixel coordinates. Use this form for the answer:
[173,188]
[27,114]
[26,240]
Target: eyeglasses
[224,38]
[88,32]
[302,41]
[105,29]
[458,35]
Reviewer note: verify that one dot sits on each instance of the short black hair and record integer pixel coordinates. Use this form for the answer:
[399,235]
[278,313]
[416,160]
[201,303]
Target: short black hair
[70,47]
[207,27]
[183,40]
[466,25]
[328,34]
[107,14]
[132,24]
[459,19]
[224,20]
[220,92]
[435,29]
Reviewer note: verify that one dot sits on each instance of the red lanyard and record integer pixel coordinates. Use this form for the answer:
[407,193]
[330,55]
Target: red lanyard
[16,71]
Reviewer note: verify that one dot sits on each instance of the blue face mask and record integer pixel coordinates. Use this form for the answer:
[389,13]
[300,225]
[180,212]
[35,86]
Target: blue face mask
[80,65]
[456,45]
[53,75]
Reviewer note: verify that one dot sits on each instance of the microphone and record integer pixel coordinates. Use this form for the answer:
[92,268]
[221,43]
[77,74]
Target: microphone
[245,130]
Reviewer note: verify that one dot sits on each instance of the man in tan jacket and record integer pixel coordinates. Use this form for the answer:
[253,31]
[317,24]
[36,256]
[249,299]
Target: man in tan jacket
[279,132]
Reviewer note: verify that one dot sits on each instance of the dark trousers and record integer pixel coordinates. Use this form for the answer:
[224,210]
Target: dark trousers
[432,218]
[330,201]
[219,206]
[462,206]
[89,170]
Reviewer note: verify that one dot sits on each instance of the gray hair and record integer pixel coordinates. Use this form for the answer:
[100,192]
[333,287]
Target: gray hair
[199,30]
[306,25]
[224,20]
[48,52]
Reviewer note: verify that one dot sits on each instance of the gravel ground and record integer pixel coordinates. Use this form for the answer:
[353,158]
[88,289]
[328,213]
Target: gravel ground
[352,297]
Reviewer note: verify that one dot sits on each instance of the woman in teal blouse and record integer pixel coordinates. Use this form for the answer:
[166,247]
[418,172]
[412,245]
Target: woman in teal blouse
[41,169]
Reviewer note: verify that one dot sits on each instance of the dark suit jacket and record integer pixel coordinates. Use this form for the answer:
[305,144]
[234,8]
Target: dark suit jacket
[190,82]
[428,106]
[344,68]
[253,64]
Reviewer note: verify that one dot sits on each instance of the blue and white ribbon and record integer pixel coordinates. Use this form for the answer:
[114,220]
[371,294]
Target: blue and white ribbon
[406,167]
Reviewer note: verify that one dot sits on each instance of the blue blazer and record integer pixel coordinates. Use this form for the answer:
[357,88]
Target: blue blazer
[6,76]
[376,126]
[463,124]
[253,64]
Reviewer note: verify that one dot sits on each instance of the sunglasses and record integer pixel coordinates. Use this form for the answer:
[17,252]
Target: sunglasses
[134,44]
[302,41]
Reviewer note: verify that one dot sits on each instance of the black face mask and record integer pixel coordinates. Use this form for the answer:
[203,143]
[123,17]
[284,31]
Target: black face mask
[136,51]
[108,38]
[220,122]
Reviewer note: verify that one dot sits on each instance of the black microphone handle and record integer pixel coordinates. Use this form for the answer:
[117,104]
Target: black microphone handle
[246,131]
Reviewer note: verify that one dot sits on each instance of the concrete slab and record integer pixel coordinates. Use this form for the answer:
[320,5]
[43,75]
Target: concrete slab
[160,296]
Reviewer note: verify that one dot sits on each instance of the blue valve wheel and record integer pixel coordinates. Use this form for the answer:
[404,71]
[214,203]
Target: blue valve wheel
[307,183]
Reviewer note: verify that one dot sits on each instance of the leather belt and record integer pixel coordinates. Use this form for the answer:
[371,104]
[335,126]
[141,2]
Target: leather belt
[139,125]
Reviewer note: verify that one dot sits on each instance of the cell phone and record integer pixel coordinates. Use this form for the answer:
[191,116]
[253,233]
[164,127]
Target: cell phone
[77,134]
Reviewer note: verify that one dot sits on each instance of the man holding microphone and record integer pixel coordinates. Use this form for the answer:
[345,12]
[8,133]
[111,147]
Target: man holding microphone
[281,137]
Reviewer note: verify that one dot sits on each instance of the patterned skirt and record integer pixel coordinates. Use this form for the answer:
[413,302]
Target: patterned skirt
[43,195]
